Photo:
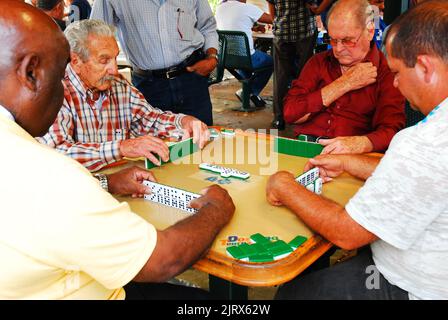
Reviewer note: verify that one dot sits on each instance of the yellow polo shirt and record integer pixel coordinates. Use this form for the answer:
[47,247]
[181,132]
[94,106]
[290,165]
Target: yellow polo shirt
[61,235]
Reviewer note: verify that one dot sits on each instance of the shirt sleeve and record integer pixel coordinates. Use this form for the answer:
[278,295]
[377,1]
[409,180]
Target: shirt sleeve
[95,234]
[103,10]
[149,120]
[93,156]
[401,198]
[254,12]
[206,24]
[389,116]
[305,95]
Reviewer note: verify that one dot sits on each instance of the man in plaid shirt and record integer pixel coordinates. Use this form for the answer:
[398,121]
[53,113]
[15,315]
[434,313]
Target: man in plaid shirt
[295,35]
[104,118]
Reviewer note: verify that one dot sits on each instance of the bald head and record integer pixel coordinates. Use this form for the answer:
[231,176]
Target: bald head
[357,11]
[33,55]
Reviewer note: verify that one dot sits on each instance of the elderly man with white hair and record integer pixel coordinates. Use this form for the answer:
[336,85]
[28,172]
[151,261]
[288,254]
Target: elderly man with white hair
[104,118]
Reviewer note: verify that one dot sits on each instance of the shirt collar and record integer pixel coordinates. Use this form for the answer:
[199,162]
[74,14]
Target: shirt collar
[6,113]
[372,56]
[80,86]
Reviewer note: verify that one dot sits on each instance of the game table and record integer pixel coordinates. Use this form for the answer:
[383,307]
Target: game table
[261,155]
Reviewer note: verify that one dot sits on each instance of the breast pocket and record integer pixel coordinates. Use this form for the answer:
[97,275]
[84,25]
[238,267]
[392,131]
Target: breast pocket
[186,22]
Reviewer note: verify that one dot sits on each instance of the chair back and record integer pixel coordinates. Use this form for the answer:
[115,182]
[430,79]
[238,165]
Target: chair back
[237,52]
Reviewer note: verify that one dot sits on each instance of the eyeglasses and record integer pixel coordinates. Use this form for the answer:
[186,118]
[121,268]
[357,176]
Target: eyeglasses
[345,42]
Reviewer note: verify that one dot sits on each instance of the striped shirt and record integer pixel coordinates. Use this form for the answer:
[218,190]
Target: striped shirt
[157,34]
[293,21]
[90,132]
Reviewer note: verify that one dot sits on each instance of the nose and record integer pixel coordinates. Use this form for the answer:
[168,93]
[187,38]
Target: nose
[112,68]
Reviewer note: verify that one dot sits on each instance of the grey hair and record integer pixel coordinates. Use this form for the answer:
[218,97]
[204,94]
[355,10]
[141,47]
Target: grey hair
[364,12]
[77,34]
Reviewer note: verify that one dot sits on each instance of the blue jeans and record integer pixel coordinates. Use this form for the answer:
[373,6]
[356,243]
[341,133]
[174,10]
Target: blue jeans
[187,93]
[259,59]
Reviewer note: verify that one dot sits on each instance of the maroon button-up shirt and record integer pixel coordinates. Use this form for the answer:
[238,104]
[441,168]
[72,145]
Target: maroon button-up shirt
[375,111]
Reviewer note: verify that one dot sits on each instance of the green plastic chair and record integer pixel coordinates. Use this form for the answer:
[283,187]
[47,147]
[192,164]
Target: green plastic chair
[218,73]
[237,56]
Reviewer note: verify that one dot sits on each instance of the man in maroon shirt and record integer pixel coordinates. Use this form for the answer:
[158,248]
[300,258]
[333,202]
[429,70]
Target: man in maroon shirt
[346,94]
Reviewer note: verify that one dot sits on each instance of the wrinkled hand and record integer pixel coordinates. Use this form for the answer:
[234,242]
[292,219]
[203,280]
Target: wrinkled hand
[217,197]
[145,146]
[203,67]
[330,166]
[339,145]
[129,182]
[360,76]
[195,128]
[278,183]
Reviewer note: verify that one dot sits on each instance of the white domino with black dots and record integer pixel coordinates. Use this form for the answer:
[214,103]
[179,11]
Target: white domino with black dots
[225,172]
[171,197]
[311,180]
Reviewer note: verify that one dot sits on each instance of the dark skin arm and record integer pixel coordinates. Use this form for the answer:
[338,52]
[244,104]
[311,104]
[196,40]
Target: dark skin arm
[205,67]
[325,216]
[271,7]
[181,245]
[129,182]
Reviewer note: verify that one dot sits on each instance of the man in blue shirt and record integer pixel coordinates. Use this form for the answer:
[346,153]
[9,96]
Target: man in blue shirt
[172,47]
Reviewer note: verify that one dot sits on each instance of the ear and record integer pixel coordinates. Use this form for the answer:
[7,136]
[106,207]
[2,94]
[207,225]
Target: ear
[28,71]
[425,68]
[75,61]
[370,29]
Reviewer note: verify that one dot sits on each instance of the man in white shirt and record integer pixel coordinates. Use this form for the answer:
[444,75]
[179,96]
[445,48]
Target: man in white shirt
[237,15]
[61,235]
[401,211]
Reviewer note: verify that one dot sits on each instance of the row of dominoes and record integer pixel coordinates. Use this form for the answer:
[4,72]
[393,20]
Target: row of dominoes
[170,196]
[225,172]
[311,180]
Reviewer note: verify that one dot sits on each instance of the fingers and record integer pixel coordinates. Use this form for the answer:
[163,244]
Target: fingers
[152,158]
[329,149]
[142,174]
[326,142]
[310,165]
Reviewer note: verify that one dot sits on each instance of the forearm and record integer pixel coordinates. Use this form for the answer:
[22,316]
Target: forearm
[181,245]
[333,91]
[93,156]
[271,10]
[360,166]
[326,218]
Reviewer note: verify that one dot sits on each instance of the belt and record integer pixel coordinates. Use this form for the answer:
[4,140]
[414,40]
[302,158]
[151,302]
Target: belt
[173,71]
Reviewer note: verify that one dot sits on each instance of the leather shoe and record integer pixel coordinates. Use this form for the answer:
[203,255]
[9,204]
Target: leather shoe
[257,101]
[239,94]
[278,124]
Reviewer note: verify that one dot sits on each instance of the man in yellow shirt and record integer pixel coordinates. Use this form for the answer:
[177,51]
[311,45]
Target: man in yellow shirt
[61,235]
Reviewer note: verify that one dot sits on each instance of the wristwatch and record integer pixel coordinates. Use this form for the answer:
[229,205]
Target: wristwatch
[213,55]
[103,181]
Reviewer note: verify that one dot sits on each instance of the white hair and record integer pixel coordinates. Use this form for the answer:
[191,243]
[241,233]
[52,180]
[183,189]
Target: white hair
[77,34]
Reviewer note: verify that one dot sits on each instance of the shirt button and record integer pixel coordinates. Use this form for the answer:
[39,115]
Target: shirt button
[329,121]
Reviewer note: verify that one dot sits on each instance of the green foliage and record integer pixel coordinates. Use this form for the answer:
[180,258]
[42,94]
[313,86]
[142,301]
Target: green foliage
[213,4]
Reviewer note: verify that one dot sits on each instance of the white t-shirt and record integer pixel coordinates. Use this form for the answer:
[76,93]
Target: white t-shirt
[61,235]
[405,204]
[238,16]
